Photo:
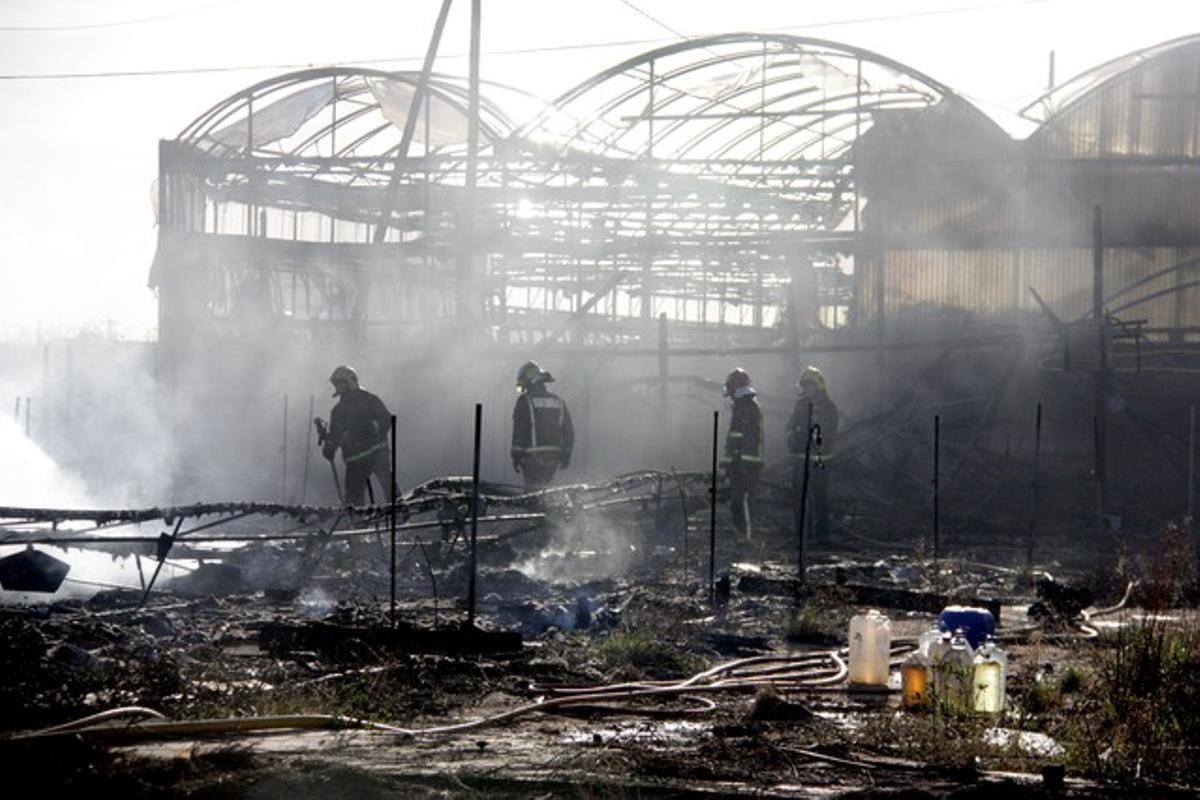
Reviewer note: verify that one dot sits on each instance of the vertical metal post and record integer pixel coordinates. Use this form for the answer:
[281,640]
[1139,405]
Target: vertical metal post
[474,518]
[307,451]
[17,411]
[650,189]
[1100,377]
[470,300]
[937,441]
[1096,474]
[28,424]
[1033,502]
[712,517]
[664,419]
[801,515]
[1191,492]
[1050,79]
[392,515]
[283,453]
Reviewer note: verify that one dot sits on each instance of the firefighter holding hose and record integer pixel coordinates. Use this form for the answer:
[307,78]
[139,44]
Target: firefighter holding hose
[359,425]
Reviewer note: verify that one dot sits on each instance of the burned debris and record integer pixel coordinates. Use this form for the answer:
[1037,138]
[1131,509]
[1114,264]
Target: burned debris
[931,533]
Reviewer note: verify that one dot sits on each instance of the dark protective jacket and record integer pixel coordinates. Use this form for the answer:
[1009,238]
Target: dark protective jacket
[359,424]
[542,427]
[824,413]
[744,442]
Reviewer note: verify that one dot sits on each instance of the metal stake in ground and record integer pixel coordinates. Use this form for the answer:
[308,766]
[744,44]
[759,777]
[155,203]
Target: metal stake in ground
[808,427]
[474,518]
[283,453]
[712,518]
[307,453]
[1191,494]
[1033,502]
[937,440]
[684,508]
[392,518]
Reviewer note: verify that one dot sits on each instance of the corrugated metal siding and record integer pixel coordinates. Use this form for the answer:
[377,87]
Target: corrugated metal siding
[992,281]
[1151,110]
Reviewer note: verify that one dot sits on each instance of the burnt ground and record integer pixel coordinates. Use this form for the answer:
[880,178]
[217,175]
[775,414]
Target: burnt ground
[325,647]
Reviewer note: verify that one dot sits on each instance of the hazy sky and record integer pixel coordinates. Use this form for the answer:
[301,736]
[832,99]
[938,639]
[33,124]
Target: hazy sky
[78,154]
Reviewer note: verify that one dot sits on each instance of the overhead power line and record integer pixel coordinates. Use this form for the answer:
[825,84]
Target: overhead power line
[143,73]
[655,20]
[119,24]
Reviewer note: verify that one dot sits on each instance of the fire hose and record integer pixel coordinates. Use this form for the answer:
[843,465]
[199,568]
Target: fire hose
[807,673]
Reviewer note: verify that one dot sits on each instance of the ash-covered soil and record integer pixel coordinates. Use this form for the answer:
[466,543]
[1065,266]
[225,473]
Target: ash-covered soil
[329,648]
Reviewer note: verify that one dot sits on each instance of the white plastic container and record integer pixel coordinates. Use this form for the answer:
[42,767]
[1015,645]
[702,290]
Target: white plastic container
[991,676]
[954,673]
[927,639]
[870,648]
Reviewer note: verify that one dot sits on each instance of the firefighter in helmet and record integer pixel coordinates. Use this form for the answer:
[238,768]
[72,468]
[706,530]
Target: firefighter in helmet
[814,394]
[743,449]
[542,433]
[359,425]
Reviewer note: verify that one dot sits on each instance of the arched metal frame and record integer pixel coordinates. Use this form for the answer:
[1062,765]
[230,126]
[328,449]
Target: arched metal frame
[1143,104]
[727,162]
[699,180]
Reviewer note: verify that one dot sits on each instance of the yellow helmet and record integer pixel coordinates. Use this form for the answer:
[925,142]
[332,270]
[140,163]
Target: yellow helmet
[343,379]
[811,381]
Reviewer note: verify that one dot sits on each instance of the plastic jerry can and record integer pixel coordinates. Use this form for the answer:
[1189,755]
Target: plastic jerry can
[914,681]
[991,675]
[954,674]
[870,648]
[927,638]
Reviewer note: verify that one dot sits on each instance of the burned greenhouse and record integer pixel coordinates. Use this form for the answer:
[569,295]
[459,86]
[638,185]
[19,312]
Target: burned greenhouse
[832,338]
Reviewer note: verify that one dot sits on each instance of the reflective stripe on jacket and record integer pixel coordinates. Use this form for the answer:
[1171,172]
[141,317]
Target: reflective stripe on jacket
[542,425]
[744,441]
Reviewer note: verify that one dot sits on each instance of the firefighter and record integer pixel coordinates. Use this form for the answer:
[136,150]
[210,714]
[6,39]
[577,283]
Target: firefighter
[743,449]
[813,392]
[359,424]
[542,433]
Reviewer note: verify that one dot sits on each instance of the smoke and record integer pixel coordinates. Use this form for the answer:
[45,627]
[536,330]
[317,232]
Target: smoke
[315,603]
[587,548]
[31,478]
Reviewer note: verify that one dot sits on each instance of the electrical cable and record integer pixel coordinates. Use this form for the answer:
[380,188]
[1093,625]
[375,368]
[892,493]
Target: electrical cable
[142,73]
[120,24]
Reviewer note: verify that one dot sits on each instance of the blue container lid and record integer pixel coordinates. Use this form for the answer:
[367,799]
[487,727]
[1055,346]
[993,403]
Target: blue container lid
[977,623]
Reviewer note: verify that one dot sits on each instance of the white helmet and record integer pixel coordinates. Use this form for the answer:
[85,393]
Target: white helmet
[343,379]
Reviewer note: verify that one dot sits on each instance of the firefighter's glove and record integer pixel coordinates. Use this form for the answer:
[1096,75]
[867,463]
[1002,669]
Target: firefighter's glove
[328,450]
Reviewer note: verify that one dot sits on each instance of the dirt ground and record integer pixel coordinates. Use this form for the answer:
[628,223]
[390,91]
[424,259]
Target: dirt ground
[327,648]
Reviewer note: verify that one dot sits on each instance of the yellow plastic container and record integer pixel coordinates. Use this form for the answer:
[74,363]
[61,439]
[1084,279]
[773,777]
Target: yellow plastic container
[914,681]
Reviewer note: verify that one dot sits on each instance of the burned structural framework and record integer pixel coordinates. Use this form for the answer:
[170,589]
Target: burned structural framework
[758,194]
[697,181]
